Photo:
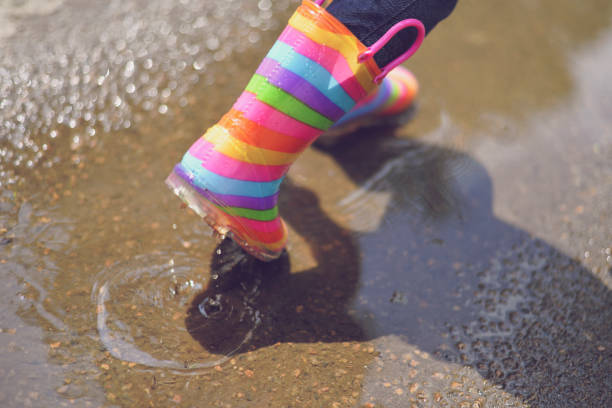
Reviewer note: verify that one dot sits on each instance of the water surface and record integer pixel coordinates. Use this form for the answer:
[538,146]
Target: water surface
[464,258]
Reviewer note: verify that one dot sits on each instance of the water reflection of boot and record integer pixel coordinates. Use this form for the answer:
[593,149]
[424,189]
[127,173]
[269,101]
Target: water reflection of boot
[316,72]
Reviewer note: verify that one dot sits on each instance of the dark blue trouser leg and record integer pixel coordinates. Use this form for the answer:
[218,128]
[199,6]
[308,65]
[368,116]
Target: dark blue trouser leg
[370,19]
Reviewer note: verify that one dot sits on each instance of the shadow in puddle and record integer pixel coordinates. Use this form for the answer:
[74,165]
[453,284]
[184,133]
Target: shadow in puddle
[440,271]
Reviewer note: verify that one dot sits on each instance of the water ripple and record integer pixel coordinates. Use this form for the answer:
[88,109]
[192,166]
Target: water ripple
[142,305]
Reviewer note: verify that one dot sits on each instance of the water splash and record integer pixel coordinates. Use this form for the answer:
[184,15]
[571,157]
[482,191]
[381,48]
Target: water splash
[142,305]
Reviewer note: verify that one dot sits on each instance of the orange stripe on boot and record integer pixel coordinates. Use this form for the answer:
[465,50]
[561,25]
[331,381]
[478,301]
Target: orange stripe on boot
[259,136]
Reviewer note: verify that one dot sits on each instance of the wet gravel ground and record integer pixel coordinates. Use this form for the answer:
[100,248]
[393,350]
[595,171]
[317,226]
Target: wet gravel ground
[463,259]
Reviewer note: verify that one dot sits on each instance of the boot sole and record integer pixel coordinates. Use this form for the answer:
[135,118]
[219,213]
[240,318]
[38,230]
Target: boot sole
[223,225]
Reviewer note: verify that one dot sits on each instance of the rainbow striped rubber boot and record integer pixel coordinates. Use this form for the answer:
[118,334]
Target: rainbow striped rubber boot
[316,72]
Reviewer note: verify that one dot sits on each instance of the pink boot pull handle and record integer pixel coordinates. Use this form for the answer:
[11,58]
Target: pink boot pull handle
[374,48]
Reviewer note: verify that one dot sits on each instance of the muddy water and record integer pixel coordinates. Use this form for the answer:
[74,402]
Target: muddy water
[460,260]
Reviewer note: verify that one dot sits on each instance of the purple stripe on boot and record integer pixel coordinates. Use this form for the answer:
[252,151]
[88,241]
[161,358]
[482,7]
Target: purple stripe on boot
[299,87]
[254,203]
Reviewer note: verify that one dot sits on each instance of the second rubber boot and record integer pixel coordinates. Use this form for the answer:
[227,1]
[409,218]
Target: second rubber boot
[390,104]
[314,74]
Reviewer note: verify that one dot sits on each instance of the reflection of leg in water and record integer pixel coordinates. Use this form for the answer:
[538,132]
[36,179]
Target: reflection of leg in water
[224,317]
[308,306]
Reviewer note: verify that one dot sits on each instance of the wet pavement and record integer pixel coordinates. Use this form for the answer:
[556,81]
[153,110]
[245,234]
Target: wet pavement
[463,259]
